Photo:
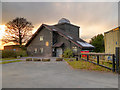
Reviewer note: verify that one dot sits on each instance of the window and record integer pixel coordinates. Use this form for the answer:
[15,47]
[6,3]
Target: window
[41,50]
[35,50]
[74,49]
[41,38]
[47,43]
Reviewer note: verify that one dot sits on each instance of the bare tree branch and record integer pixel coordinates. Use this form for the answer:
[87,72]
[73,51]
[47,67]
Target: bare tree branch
[18,31]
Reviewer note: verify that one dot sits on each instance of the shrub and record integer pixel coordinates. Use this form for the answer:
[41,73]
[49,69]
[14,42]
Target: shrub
[8,54]
[59,59]
[68,53]
[15,54]
[36,59]
[45,60]
[28,59]
[21,53]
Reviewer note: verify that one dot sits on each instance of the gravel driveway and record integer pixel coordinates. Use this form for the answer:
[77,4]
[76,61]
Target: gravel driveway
[54,75]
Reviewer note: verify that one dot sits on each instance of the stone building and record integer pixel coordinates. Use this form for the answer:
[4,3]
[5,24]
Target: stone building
[112,40]
[52,40]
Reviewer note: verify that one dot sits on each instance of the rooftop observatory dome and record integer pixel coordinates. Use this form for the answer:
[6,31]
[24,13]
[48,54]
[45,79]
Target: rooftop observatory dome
[63,20]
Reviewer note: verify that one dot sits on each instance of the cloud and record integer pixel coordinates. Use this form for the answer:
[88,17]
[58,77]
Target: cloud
[92,17]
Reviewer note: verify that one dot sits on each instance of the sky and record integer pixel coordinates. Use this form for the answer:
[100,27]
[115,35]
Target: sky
[92,17]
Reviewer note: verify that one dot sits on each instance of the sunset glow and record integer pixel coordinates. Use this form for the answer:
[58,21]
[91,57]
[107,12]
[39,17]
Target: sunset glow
[2,30]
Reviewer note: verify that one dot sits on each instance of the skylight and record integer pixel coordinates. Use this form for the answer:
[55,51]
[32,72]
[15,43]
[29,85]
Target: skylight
[84,44]
[70,37]
[54,30]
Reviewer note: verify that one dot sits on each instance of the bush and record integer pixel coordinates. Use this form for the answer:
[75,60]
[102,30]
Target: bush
[68,53]
[8,54]
[45,60]
[59,59]
[28,59]
[36,59]
[21,53]
[15,54]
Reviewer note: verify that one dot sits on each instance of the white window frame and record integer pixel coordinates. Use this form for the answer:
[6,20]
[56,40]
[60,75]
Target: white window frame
[41,38]
[41,50]
[35,50]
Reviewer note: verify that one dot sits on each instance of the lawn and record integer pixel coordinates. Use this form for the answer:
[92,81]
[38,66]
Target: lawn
[101,62]
[2,59]
[81,64]
[5,62]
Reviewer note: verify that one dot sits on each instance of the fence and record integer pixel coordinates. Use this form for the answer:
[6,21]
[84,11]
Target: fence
[115,59]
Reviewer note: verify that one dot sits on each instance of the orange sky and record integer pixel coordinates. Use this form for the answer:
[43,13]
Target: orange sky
[2,29]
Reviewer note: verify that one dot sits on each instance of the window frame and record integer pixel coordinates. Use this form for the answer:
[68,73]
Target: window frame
[41,50]
[47,43]
[35,50]
[74,49]
[41,38]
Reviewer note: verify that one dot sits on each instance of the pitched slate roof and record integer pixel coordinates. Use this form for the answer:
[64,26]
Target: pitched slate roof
[77,41]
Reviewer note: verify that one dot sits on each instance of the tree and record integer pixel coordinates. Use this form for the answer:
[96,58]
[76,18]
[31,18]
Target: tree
[18,31]
[98,42]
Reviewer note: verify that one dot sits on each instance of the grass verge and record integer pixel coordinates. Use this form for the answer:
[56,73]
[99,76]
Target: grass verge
[81,64]
[2,59]
[102,62]
[5,62]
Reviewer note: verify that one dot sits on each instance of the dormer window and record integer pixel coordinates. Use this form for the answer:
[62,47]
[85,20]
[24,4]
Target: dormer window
[41,38]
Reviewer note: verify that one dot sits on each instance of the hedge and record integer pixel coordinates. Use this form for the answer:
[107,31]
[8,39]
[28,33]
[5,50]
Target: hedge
[11,53]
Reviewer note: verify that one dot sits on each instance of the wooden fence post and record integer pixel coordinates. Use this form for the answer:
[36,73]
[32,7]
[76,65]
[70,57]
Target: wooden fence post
[80,56]
[113,63]
[117,58]
[87,57]
[98,59]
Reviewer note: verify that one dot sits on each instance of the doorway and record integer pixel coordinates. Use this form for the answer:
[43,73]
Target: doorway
[59,52]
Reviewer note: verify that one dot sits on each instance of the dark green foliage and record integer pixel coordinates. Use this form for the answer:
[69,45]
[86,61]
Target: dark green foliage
[98,42]
[59,59]
[21,53]
[68,53]
[11,53]
[8,53]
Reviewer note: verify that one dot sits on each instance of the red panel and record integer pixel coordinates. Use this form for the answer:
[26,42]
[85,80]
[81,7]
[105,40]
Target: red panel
[84,52]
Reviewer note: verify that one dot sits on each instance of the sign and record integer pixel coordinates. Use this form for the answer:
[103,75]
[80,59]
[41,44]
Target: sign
[86,51]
